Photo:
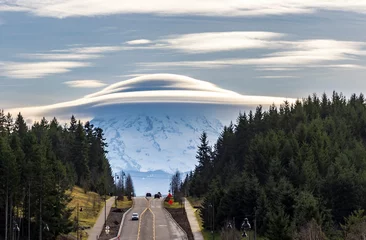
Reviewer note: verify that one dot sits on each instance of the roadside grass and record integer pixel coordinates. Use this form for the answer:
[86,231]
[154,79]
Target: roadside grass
[207,235]
[91,204]
[124,204]
[174,205]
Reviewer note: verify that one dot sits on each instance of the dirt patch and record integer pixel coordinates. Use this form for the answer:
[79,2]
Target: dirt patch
[113,221]
[180,216]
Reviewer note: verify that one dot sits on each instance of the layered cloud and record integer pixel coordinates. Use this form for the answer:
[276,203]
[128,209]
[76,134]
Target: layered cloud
[283,53]
[54,61]
[37,69]
[154,88]
[229,8]
[85,83]
[138,42]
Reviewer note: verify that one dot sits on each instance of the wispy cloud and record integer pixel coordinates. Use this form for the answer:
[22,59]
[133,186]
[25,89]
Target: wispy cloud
[85,83]
[56,61]
[297,53]
[75,53]
[69,8]
[278,77]
[59,56]
[37,69]
[138,42]
[221,41]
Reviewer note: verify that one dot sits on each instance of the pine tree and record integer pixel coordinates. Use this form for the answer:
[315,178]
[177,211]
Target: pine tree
[130,191]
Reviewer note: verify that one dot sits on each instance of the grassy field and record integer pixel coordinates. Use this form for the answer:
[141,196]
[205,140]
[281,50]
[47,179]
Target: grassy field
[90,203]
[124,204]
[174,205]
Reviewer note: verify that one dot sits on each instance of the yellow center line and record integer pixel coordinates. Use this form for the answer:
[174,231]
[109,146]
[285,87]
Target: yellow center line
[153,223]
[140,220]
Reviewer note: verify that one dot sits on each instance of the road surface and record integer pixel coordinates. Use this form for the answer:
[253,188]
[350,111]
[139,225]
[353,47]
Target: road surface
[154,224]
[130,228]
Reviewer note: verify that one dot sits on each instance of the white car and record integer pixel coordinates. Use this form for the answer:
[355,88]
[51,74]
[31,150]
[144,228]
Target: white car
[135,216]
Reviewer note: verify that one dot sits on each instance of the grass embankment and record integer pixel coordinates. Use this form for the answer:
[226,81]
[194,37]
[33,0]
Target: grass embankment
[91,203]
[174,205]
[196,202]
[124,204]
[207,235]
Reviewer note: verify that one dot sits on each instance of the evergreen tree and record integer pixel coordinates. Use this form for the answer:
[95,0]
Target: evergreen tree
[130,191]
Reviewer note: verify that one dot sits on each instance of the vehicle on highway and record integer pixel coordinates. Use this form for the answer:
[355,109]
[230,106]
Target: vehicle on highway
[135,216]
[148,194]
[156,196]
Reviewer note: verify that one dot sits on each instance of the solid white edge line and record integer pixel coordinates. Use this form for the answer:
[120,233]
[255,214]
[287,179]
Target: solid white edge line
[123,220]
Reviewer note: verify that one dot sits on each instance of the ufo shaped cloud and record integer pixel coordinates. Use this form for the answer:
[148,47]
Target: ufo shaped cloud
[148,89]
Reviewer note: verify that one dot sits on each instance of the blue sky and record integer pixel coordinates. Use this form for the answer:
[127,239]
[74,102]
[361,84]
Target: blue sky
[57,51]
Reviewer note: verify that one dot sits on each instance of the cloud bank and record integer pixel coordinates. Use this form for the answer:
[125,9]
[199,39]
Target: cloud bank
[85,83]
[154,88]
[37,69]
[284,53]
[54,62]
[229,8]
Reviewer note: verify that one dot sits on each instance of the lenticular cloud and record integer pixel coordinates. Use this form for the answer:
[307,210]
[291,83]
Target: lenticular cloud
[147,89]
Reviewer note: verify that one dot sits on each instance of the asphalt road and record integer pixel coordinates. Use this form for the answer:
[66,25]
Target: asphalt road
[130,228]
[154,224]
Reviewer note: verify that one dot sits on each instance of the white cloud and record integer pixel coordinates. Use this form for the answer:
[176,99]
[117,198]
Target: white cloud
[154,88]
[277,69]
[221,41]
[37,69]
[298,53]
[138,42]
[85,83]
[280,77]
[60,56]
[228,8]
[63,61]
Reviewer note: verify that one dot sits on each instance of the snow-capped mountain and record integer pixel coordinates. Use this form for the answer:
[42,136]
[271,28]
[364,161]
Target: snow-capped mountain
[147,142]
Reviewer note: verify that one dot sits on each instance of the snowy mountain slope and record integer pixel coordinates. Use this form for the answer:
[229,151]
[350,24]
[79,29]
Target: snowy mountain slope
[148,142]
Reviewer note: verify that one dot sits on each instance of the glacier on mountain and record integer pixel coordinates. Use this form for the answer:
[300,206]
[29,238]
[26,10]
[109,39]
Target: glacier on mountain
[147,142]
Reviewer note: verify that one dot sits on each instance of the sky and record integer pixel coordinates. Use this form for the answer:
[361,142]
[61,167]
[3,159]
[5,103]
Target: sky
[58,51]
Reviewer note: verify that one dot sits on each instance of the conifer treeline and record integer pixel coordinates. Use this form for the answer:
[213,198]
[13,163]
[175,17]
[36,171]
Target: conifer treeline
[301,165]
[37,166]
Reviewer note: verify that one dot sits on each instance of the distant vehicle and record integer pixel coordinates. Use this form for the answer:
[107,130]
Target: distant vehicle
[156,196]
[160,194]
[148,194]
[135,216]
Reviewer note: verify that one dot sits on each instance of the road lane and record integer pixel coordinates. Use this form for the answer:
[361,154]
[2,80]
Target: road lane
[154,224]
[130,228]
[161,221]
[146,229]
[166,227]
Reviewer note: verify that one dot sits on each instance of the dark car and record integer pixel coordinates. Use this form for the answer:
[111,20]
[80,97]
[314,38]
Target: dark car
[156,196]
[148,194]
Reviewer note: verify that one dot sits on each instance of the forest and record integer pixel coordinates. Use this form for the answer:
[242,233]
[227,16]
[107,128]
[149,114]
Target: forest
[296,171]
[38,164]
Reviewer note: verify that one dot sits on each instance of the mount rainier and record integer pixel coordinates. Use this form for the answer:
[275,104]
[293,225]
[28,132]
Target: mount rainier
[147,142]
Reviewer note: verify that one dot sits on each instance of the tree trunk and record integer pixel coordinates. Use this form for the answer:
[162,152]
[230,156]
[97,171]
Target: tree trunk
[40,218]
[11,218]
[6,212]
[29,216]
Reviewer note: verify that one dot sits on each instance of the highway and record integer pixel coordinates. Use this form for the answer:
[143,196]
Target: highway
[154,223]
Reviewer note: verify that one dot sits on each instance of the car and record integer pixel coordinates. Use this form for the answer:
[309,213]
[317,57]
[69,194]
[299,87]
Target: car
[148,194]
[135,216]
[157,196]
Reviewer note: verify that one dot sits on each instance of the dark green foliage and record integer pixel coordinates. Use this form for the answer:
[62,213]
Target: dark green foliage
[299,168]
[38,165]
[130,190]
